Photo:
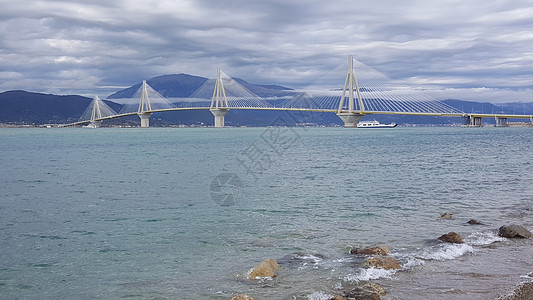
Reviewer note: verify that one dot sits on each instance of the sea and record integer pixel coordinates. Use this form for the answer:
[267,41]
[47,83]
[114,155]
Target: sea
[186,213]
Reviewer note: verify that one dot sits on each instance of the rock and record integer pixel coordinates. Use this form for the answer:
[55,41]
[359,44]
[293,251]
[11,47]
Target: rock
[268,268]
[373,287]
[514,231]
[474,222]
[446,215]
[361,294]
[368,291]
[452,238]
[337,297]
[374,250]
[387,263]
[242,297]
[298,258]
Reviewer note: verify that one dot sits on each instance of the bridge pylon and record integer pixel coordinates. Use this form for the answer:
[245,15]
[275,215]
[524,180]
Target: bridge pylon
[219,103]
[145,107]
[351,116]
[96,113]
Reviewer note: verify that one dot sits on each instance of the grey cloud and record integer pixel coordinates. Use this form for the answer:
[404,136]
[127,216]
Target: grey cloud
[90,46]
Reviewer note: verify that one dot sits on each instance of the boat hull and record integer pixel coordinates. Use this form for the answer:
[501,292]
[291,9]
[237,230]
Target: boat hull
[375,124]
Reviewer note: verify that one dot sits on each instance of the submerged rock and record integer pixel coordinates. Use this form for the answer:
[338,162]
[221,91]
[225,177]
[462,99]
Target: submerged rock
[374,287]
[268,268]
[367,291]
[514,232]
[474,222]
[361,294]
[446,215]
[299,258]
[381,262]
[241,297]
[452,238]
[374,250]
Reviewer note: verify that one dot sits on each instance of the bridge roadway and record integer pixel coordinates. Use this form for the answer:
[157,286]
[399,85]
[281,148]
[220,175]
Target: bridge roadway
[472,116]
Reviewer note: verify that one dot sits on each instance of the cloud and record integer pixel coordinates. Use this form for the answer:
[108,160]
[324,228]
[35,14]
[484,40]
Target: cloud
[93,47]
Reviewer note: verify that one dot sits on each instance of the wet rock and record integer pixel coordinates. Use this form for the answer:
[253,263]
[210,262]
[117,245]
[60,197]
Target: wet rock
[367,291]
[373,287]
[299,258]
[452,238]
[446,215]
[514,231]
[268,268]
[381,262]
[361,294]
[242,297]
[337,297]
[374,250]
[474,222]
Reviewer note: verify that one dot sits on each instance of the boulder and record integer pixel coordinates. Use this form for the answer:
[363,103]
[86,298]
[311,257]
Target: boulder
[374,287]
[381,262]
[452,238]
[514,231]
[268,268]
[474,222]
[361,294]
[374,250]
[337,297]
[242,297]
[446,215]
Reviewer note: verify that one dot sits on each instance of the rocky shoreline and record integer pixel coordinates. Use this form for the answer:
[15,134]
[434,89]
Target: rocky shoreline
[377,257]
[522,292]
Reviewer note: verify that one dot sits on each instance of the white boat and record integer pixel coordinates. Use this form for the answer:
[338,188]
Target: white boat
[375,124]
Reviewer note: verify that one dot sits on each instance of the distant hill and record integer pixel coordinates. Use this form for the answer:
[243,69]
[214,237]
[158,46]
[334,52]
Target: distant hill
[23,107]
[29,108]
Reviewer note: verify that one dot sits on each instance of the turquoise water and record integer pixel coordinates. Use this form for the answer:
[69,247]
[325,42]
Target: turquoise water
[133,213]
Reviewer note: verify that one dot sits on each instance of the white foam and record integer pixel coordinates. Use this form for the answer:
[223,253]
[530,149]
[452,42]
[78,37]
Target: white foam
[319,296]
[445,251]
[483,238]
[369,274]
[309,259]
[314,258]
[412,262]
[258,277]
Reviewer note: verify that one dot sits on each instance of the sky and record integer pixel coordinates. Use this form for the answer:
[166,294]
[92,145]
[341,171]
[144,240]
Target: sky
[468,49]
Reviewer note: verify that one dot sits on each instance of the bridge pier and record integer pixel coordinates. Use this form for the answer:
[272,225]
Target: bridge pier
[350,119]
[501,122]
[219,114]
[474,121]
[145,119]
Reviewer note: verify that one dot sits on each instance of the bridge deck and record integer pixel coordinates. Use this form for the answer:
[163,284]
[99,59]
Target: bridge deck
[509,116]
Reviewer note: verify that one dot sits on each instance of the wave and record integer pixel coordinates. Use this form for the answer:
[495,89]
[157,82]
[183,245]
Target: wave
[319,296]
[444,251]
[478,238]
[369,274]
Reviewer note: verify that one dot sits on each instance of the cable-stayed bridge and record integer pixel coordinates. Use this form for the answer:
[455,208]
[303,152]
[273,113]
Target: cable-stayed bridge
[368,93]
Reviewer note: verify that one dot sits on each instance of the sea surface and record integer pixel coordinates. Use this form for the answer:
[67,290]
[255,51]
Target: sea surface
[186,213]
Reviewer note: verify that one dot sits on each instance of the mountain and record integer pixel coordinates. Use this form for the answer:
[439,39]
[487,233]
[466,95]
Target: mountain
[184,85]
[29,108]
[176,85]
[21,107]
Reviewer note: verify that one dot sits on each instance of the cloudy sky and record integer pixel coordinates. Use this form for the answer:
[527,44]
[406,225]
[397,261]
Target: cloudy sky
[466,49]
